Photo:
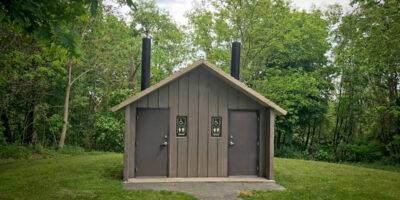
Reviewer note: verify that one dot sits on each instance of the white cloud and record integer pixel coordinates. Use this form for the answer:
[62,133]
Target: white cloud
[177,9]
[321,4]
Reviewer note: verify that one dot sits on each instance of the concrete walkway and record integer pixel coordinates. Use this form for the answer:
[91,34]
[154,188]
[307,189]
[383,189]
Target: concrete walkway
[206,190]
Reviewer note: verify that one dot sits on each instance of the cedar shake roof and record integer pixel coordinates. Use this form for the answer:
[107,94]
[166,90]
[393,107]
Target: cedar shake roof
[214,70]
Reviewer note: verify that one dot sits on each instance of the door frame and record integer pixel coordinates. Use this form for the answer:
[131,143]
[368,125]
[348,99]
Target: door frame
[167,133]
[258,137]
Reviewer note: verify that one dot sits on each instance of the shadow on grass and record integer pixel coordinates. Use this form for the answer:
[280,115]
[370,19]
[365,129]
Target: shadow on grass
[114,172]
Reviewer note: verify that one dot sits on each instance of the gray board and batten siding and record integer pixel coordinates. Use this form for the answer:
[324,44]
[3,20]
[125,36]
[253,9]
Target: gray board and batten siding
[199,94]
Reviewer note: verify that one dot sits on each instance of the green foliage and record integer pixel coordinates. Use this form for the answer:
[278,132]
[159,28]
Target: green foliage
[2,138]
[50,19]
[109,134]
[105,54]
[313,152]
[301,94]
[394,148]
[36,151]
[71,150]
[337,74]
[272,34]
[368,99]
[55,124]
[359,152]
[15,152]
[283,58]
[169,46]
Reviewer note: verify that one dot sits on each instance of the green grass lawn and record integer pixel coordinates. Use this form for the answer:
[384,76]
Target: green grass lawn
[98,176]
[321,180]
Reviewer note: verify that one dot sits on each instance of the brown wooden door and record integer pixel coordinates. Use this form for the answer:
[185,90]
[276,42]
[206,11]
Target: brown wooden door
[152,142]
[243,139]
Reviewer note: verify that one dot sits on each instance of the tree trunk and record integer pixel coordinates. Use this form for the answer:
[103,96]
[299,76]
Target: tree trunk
[308,134]
[7,132]
[313,132]
[66,108]
[278,140]
[338,115]
[28,126]
[132,74]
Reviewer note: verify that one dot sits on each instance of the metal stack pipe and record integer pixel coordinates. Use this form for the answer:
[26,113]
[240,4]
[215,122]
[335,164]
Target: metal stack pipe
[146,55]
[235,60]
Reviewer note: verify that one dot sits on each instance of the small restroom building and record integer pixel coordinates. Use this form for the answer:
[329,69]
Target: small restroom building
[199,122]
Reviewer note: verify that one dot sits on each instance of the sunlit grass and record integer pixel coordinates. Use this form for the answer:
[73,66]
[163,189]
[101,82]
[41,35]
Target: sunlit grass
[320,180]
[98,176]
[89,176]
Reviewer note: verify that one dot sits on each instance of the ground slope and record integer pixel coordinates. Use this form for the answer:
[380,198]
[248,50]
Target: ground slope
[321,180]
[97,176]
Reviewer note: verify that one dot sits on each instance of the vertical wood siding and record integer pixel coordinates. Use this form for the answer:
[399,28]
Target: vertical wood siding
[173,112]
[127,146]
[223,141]
[203,124]
[199,95]
[183,104]
[193,121]
[270,122]
[212,141]
[129,141]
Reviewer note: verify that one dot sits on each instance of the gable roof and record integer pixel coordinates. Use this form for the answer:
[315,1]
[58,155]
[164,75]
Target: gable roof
[214,70]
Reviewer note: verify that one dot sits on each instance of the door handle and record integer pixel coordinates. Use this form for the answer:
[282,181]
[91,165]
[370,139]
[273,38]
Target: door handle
[164,143]
[231,143]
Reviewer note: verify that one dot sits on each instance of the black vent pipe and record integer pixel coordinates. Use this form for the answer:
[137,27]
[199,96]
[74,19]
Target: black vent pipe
[146,54]
[235,60]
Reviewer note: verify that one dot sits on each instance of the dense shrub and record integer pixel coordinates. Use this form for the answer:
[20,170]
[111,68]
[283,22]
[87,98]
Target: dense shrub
[323,152]
[290,152]
[2,139]
[359,152]
[71,150]
[15,152]
[394,149]
[324,155]
[36,151]
[109,134]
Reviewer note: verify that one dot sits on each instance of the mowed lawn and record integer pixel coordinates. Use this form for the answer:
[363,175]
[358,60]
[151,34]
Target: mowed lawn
[98,176]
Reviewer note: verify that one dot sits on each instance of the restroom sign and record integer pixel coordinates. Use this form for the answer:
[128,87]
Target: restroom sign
[216,126]
[181,126]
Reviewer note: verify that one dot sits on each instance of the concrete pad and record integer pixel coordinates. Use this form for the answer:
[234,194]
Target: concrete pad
[210,189]
[204,180]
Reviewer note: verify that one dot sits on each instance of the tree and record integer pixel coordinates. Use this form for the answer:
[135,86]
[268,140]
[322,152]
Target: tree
[30,68]
[368,102]
[272,34]
[72,60]
[112,49]
[169,44]
[283,57]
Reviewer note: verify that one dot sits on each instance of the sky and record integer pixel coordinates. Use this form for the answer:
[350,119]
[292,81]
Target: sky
[178,8]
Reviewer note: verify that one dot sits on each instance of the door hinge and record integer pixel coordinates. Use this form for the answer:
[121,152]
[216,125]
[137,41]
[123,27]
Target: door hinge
[135,169]
[258,169]
[258,143]
[137,117]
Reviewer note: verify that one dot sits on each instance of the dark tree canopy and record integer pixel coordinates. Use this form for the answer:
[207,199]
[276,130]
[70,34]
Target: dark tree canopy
[65,63]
